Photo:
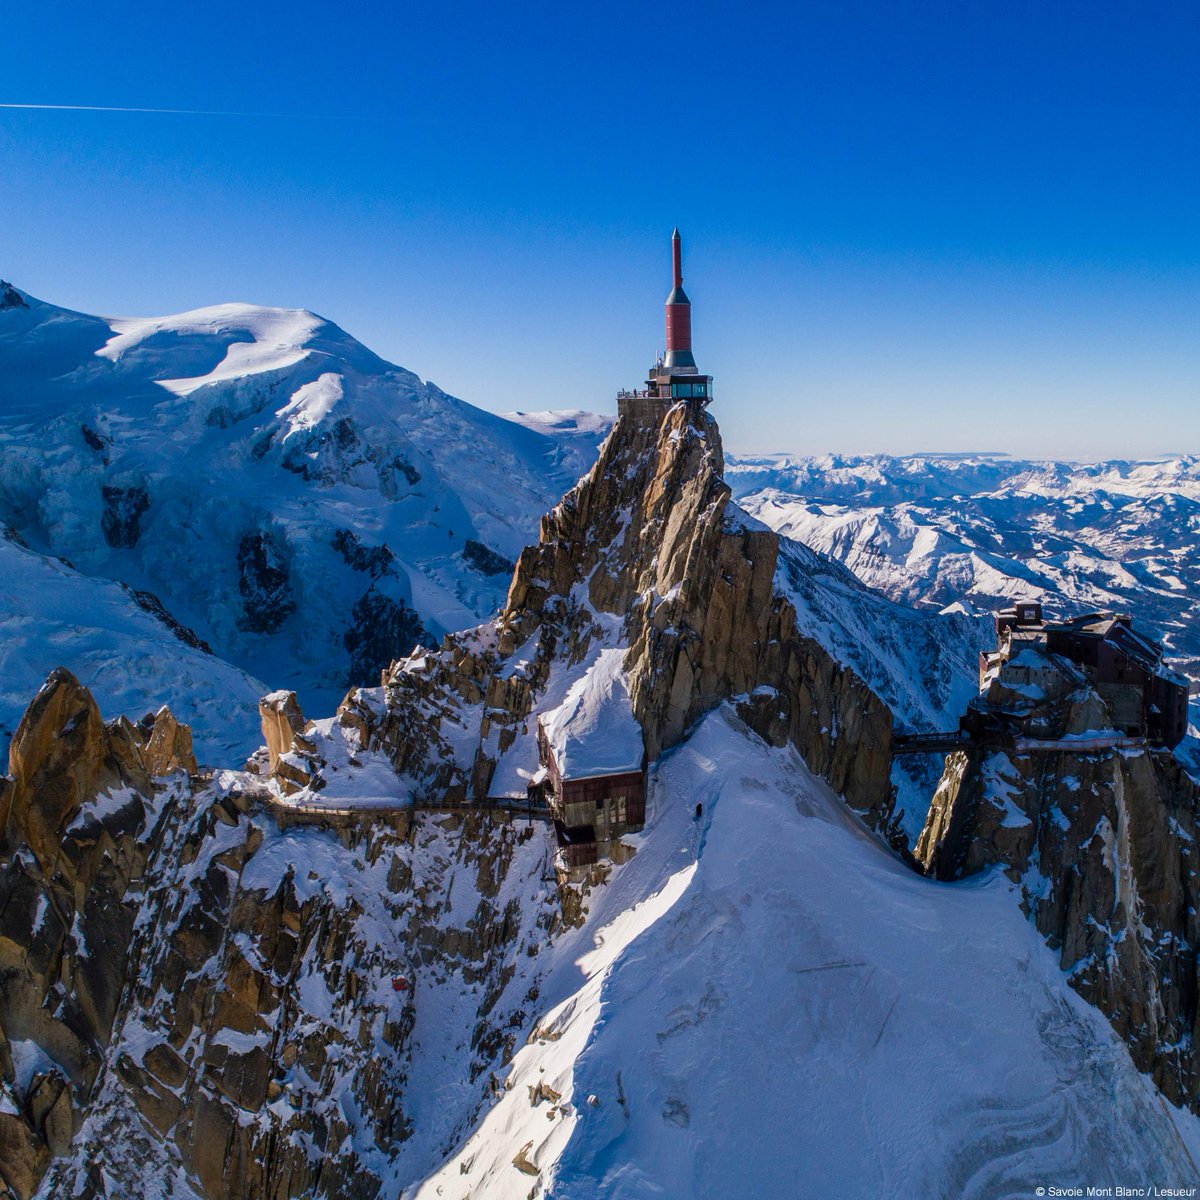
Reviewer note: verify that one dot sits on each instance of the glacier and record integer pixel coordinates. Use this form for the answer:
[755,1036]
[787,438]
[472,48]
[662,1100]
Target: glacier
[304,508]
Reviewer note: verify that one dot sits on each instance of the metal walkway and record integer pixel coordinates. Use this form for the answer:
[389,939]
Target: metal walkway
[314,811]
[1078,745]
[513,805]
[931,743]
[947,743]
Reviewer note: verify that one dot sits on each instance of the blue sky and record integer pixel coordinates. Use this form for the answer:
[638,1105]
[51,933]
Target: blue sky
[924,226]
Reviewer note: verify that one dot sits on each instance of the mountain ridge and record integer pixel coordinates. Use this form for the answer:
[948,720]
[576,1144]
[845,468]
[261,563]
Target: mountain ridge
[304,506]
[414,999]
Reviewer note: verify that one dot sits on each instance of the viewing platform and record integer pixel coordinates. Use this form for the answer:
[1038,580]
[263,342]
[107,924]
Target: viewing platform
[931,743]
[663,389]
[642,408]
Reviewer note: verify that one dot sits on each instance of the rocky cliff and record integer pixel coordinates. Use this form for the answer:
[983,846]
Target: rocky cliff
[1102,848]
[80,814]
[196,1001]
[649,554]
[651,536]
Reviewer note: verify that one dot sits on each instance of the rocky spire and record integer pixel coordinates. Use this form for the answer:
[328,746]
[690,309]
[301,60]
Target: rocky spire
[1102,845]
[646,552]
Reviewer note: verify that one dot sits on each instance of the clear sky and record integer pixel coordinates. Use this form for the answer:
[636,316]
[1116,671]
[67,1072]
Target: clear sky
[907,226]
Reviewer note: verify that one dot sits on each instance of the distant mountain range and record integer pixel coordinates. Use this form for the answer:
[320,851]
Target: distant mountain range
[980,531]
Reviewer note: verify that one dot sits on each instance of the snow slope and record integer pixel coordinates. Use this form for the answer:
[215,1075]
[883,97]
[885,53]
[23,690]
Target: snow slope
[307,508]
[593,731]
[120,648]
[765,1003]
[922,664]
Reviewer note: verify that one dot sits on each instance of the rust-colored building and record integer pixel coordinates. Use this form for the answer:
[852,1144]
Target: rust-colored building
[593,764]
[591,811]
[1146,698]
[1127,669]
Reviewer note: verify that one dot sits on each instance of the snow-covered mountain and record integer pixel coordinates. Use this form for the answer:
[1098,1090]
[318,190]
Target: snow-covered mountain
[749,995]
[306,509]
[981,531]
[761,1003]
[764,1003]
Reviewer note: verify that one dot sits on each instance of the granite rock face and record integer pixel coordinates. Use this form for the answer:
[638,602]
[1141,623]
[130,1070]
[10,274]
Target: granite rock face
[197,1000]
[264,581]
[654,538]
[1102,847]
[79,815]
[647,552]
[282,719]
[265,1047]
[166,745]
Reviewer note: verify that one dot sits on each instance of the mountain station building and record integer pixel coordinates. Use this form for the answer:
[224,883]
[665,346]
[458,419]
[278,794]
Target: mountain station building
[593,764]
[1145,697]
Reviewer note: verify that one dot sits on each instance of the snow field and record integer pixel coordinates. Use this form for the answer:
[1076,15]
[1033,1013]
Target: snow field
[766,1003]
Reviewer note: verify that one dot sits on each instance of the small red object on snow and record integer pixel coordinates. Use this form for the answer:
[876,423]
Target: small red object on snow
[399,983]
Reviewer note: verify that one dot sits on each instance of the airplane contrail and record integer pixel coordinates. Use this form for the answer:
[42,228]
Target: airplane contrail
[179,112]
[381,118]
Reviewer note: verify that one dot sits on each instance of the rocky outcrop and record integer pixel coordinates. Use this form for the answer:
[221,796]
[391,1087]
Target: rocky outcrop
[149,602]
[10,297]
[382,629]
[282,719]
[266,1042]
[654,538]
[374,560]
[1102,847]
[78,814]
[647,552]
[62,756]
[340,453]
[383,626]
[121,519]
[486,560]
[166,745]
[96,441]
[264,583]
[291,755]
[220,1063]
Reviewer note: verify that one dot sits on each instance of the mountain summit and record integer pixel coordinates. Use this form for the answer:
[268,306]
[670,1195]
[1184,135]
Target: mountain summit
[609,895]
[305,509]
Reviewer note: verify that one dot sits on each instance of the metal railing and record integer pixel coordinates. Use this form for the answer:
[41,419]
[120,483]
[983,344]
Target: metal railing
[930,743]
